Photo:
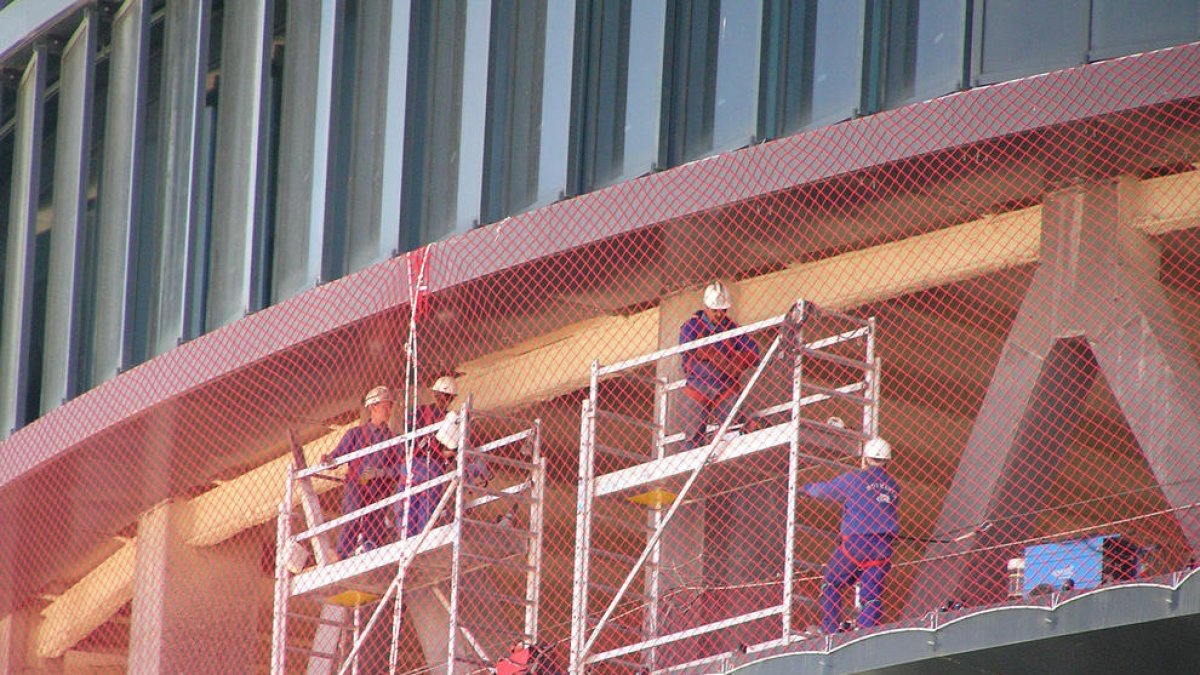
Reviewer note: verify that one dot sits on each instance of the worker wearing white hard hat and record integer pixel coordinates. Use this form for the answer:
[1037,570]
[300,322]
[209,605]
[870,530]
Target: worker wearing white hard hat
[433,454]
[713,372]
[870,499]
[369,478]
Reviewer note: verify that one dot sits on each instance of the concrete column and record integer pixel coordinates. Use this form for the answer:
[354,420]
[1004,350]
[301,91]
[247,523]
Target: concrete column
[194,608]
[14,641]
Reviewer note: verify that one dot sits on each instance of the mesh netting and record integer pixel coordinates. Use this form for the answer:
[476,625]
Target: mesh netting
[1002,284]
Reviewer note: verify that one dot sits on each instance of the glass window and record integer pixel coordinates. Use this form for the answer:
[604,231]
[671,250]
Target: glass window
[837,61]
[925,50]
[1121,27]
[617,107]
[714,55]
[691,78]
[443,163]
[739,37]
[813,62]
[528,107]
[359,144]
[1024,37]
[514,107]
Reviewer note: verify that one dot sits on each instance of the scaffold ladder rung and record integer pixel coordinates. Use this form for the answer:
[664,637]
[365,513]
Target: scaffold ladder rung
[511,495]
[622,453]
[623,523]
[512,599]
[613,555]
[822,355]
[501,528]
[646,424]
[612,590]
[842,393]
[514,462]
[504,561]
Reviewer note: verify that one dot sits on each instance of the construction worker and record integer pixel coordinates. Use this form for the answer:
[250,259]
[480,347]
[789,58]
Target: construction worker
[713,372]
[434,454]
[870,524]
[368,479]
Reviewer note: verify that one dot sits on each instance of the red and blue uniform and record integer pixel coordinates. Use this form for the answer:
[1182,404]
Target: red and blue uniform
[870,522]
[711,382]
[427,464]
[368,479]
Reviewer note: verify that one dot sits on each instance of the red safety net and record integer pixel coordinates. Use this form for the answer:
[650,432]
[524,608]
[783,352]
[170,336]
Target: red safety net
[1004,285]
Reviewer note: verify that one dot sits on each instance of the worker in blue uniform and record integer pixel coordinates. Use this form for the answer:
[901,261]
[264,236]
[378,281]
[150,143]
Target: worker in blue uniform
[369,478]
[713,372]
[870,523]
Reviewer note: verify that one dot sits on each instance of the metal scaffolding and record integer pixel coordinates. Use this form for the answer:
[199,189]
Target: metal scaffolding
[483,539]
[819,364]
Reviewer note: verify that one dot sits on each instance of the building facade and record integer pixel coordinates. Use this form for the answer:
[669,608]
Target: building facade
[224,221]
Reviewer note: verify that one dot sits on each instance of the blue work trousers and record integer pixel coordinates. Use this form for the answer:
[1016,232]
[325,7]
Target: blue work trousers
[692,417]
[425,467]
[863,558]
[372,527]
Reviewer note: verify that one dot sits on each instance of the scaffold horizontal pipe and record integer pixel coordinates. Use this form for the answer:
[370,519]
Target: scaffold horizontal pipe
[823,355]
[838,339]
[605,371]
[683,635]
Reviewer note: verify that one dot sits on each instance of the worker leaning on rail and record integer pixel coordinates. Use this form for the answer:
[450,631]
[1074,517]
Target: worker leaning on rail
[713,372]
[870,523]
[368,479]
[433,455]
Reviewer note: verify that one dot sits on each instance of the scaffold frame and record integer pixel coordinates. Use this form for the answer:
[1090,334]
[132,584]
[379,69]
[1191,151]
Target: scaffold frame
[380,577]
[794,344]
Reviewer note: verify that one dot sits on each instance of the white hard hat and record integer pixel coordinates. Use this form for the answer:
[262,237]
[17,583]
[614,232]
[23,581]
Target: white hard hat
[377,395]
[877,448]
[449,433]
[445,385]
[716,296]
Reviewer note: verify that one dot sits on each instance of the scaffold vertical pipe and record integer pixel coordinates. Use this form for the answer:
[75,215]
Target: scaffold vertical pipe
[282,592]
[464,447]
[583,524]
[654,587]
[871,410]
[789,551]
[537,524]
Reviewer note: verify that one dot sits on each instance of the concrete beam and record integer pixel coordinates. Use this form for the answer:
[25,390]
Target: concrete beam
[87,605]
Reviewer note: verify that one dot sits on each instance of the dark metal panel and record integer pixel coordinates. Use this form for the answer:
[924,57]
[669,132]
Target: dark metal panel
[75,104]
[119,187]
[237,184]
[1115,629]
[18,280]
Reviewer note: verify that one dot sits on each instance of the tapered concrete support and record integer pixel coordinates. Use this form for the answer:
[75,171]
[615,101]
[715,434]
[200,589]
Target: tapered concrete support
[1094,307]
[194,608]
[431,621]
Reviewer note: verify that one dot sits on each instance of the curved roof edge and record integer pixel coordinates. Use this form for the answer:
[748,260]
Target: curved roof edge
[572,223]
[1017,626]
